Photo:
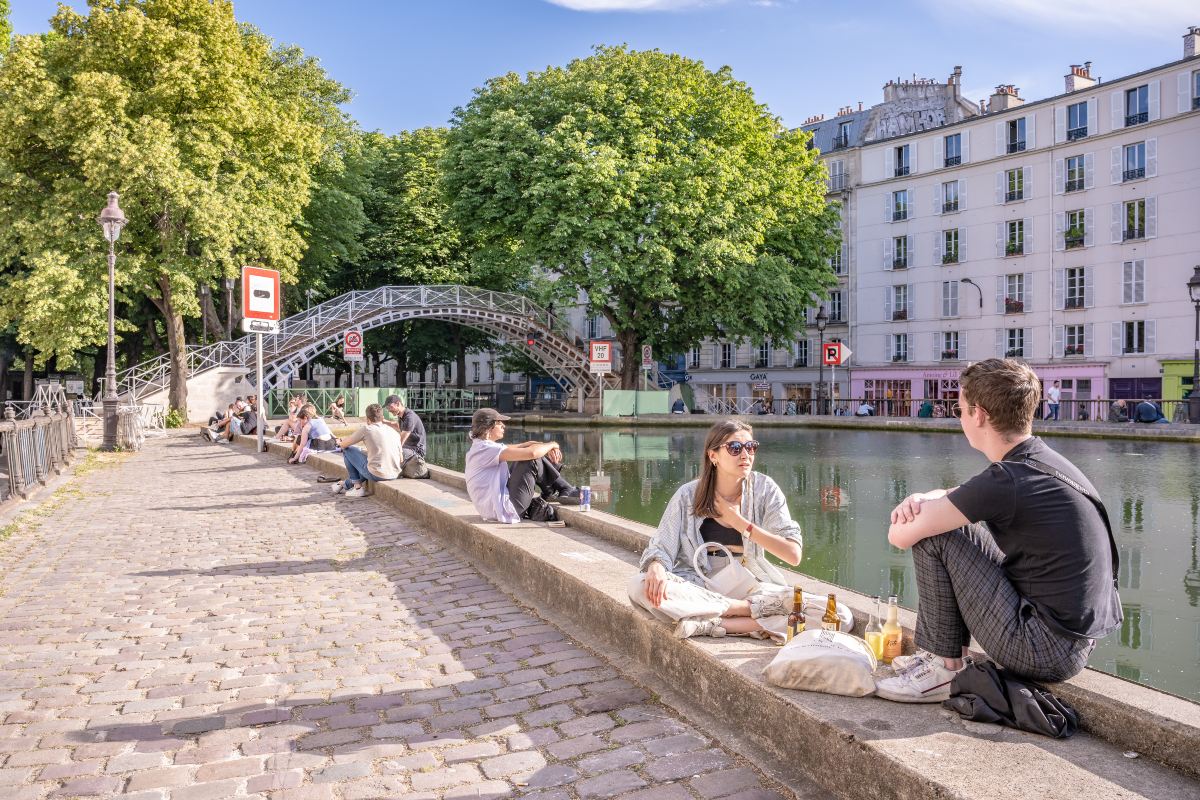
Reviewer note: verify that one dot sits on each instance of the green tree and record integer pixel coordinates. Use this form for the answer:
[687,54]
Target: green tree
[211,134]
[5,25]
[662,190]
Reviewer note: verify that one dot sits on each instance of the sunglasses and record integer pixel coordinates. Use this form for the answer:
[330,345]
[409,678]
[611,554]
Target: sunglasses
[956,409]
[735,448]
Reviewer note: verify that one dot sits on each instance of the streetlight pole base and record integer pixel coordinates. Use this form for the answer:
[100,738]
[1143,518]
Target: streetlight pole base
[1194,408]
[110,425]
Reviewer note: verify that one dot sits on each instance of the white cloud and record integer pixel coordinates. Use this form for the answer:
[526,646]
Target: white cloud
[632,5]
[1147,16]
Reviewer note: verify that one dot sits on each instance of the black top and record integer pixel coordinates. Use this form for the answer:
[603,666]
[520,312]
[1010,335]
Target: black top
[411,423]
[1056,545]
[713,531]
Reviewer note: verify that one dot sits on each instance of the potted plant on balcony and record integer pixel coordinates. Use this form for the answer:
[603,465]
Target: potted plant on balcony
[1014,353]
[1074,237]
[1013,306]
[948,355]
[900,314]
[1014,249]
[950,257]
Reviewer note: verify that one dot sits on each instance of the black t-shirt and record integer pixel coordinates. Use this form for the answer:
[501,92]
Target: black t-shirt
[713,531]
[1056,546]
[411,423]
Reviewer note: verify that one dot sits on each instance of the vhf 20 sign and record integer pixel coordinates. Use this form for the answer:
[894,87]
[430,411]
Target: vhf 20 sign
[835,354]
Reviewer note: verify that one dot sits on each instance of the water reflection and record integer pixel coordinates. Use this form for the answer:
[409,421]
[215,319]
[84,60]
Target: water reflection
[842,484]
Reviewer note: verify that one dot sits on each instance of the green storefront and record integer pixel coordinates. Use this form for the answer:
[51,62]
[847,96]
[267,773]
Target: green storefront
[1177,379]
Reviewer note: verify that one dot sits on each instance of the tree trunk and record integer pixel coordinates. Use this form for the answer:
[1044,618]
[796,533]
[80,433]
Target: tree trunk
[210,319]
[375,365]
[460,361]
[4,360]
[155,339]
[98,368]
[337,378]
[177,344]
[631,361]
[27,382]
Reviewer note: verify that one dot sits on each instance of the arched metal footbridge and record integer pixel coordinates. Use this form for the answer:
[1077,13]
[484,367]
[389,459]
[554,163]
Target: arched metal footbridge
[302,337]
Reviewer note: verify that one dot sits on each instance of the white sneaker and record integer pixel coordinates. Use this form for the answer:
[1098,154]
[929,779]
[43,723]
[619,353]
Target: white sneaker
[357,491]
[926,682]
[769,605]
[339,487]
[687,628]
[905,663]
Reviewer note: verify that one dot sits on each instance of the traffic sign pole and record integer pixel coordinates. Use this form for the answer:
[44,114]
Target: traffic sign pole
[261,407]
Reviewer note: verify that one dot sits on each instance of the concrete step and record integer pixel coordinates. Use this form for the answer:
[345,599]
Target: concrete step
[854,747]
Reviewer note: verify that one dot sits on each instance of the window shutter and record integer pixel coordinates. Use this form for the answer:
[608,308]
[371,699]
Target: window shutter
[889,163]
[1139,281]
[1060,230]
[1151,217]
[1060,125]
[814,346]
[962,245]
[1116,222]
[913,161]
[1060,289]
[1088,338]
[1115,166]
[1089,170]
[1031,132]
[962,195]
[1027,343]
[1027,182]
[1000,343]
[910,198]
[1028,230]
[1089,228]
[1000,188]
[965,148]
[1028,291]
[1154,105]
[1059,336]
[1151,158]
[1001,290]
[1185,92]
[938,199]
[938,237]
[1126,283]
[887,303]
[911,296]
[1089,288]
[937,345]
[1116,339]
[1060,175]
[1151,336]
[1000,148]
[910,249]
[1000,240]
[888,253]
[1117,106]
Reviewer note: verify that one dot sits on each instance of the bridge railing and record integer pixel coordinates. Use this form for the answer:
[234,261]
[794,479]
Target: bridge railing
[30,449]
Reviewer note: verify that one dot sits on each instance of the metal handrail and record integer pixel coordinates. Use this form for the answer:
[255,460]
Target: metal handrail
[31,449]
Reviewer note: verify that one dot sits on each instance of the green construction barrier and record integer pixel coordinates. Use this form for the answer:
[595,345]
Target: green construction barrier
[627,403]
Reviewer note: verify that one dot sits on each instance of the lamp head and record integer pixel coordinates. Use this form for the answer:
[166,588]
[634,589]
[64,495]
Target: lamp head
[822,318]
[112,218]
[1193,285]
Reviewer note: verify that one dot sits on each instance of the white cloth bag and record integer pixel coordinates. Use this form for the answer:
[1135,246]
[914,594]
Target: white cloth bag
[824,661]
[732,580]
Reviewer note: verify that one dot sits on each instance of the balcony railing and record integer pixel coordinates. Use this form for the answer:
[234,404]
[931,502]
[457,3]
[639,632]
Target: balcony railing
[1075,185]
[949,355]
[1014,194]
[1016,147]
[837,183]
[899,263]
[1072,242]
[901,171]
[1134,174]
[950,257]
[953,161]
[897,216]
[1014,306]
[900,314]
[841,141]
[1074,134]
[1074,302]
[900,357]
[1195,103]
[1133,233]
[950,207]
[1015,352]
[1014,249]
[1073,350]
[1137,119]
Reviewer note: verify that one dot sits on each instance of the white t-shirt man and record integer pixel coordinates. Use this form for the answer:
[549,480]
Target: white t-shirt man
[1053,394]
[487,482]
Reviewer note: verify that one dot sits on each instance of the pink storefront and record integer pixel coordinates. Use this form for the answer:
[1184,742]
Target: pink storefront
[1078,383]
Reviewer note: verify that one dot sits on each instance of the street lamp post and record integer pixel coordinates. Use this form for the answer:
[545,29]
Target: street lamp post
[112,220]
[1193,285]
[822,322]
[308,294]
[228,308]
[204,313]
[976,285]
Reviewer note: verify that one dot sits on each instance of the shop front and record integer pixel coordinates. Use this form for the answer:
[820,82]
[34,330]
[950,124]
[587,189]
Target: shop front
[901,392]
[1177,379]
[1081,385]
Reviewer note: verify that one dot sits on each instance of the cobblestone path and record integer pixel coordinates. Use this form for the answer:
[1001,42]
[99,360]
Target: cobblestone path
[200,622]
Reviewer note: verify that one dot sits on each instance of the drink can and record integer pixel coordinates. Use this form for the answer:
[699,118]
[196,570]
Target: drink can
[585,498]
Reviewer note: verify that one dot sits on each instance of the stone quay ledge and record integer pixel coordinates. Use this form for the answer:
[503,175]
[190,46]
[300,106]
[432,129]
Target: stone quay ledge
[1136,742]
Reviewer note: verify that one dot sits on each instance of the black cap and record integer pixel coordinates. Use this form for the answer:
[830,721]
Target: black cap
[392,398]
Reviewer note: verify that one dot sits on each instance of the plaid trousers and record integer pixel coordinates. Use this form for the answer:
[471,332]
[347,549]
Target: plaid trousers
[963,591]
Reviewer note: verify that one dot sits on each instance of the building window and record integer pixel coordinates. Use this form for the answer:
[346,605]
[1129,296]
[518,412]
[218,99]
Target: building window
[1014,293]
[1137,105]
[900,252]
[950,246]
[694,358]
[1076,231]
[1074,344]
[900,347]
[1196,90]
[1134,337]
[726,355]
[900,302]
[476,372]
[594,326]
[837,175]
[1015,343]
[763,358]
[1015,180]
[1016,135]
[900,205]
[953,150]
[949,197]
[1077,121]
[1076,279]
[902,163]
[835,261]
[1014,243]
[949,298]
[843,136]
[1135,220]
[949,345]
[1075,174]
[835,306]
[1133,282]
[1135,162]
[800,353]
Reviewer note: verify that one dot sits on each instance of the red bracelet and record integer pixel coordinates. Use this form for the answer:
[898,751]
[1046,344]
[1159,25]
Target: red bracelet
[749,530]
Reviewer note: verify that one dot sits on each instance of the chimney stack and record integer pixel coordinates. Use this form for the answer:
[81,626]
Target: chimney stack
[1080,77]
[1191,42]
[1004,98]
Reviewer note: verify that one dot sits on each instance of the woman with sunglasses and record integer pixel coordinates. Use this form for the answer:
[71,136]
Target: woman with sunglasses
[742,509]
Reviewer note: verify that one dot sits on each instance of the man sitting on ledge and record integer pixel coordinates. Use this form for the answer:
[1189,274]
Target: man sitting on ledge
[509,492]
[380,461]
[1035,585]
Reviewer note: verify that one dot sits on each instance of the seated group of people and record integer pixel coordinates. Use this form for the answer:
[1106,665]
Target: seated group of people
[1021,556]
[241,416]
[1146,412]
[391,449]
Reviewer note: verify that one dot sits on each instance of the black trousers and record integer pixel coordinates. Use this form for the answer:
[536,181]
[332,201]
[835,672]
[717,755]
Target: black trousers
[530,481]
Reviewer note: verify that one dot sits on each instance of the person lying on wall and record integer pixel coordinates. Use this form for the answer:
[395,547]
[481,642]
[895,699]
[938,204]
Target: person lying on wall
[508,483]
[732,505]
[379,462]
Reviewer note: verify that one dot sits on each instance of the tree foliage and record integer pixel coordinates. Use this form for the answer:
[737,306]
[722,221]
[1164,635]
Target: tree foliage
[210,133]
[5,26]
[659,188]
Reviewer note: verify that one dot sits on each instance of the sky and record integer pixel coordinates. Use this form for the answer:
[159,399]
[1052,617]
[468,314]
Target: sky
[409,63]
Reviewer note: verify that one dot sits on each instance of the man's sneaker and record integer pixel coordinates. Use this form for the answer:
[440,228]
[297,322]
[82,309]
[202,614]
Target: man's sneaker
[687,628]
[905,663]
[769,605]
[357,491]
[339,487]
[568,498]
[926,682]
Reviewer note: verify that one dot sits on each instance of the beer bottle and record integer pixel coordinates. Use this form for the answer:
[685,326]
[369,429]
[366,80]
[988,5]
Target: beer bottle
[831,621]
[874,633]
[795,621]
[893,635]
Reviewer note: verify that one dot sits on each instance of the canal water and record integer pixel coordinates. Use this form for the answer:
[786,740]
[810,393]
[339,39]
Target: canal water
[841,485]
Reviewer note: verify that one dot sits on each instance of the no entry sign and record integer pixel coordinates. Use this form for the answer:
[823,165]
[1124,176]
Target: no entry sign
[352,346]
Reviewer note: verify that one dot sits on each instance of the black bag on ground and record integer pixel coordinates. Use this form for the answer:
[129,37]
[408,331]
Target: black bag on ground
[983,693]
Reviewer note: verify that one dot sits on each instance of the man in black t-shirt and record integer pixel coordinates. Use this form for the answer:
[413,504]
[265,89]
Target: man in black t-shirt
[1020,556]
[412,437]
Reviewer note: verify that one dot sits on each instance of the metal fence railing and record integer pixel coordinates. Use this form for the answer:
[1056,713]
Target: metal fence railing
[33,448]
